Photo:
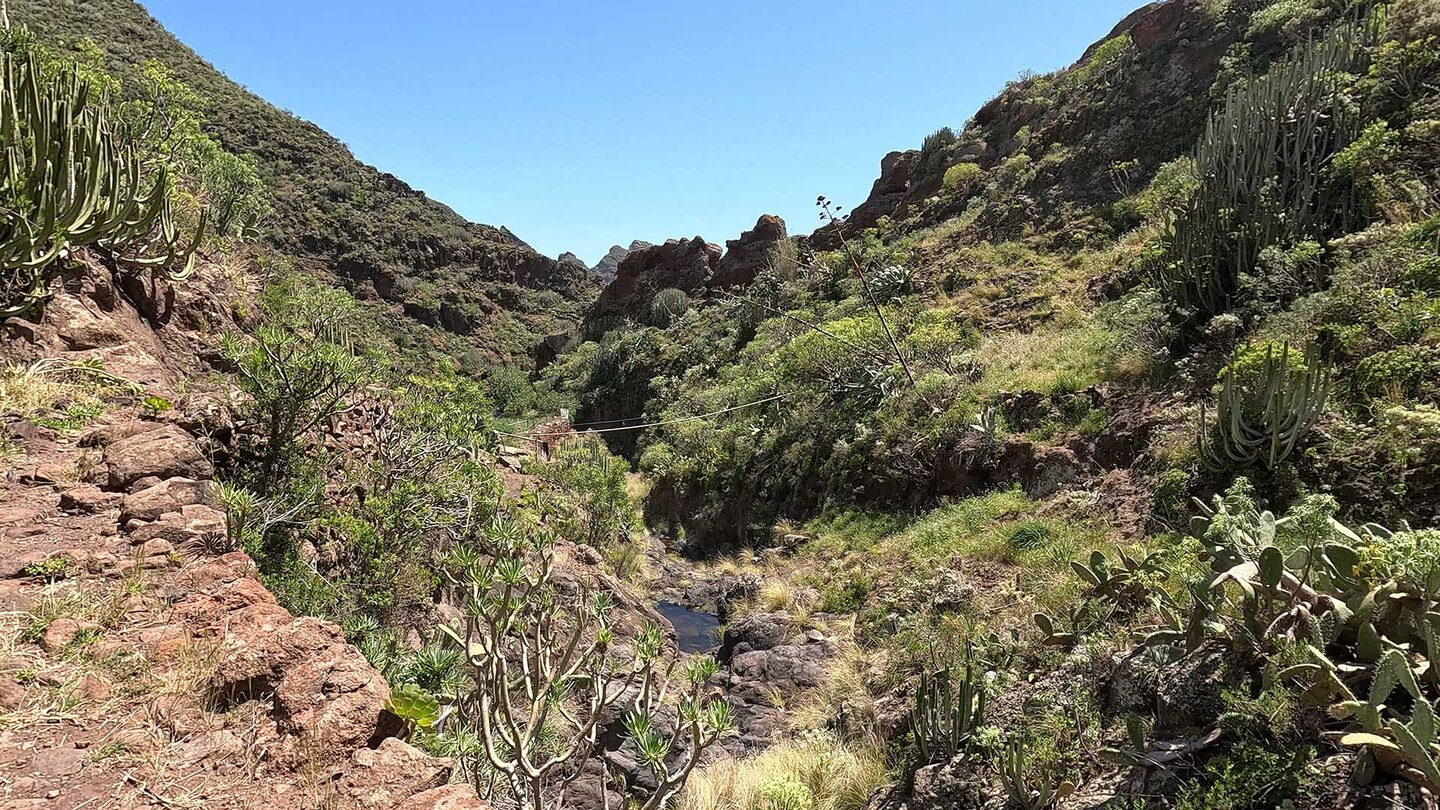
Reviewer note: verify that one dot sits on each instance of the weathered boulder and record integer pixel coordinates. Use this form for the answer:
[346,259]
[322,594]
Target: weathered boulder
[1189,693]
[88,499]
[761,631]
[190,524]
[170,495]
[379,778]
[166,452]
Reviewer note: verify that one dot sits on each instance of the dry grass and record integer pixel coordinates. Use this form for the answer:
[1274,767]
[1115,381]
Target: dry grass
[836,776]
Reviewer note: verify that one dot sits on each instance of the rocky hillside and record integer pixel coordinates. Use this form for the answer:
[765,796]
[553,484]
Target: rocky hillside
[343,219]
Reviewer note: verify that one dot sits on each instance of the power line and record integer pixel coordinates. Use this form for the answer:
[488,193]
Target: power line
[664,421]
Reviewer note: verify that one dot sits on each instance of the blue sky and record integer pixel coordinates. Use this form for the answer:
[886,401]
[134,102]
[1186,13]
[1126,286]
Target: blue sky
[583,124]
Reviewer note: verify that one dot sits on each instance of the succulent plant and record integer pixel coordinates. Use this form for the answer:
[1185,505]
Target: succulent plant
[1262,170]
[66,182]
[948,709]
[1264,423]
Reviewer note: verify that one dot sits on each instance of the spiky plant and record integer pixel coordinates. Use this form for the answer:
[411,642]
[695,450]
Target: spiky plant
[67,182]
[1263,421]
[668,306]
[1261,165]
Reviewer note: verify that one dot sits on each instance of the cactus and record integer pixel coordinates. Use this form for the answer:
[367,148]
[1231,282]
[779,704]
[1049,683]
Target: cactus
[668,306]
[1262,169]
[1264,425]
[947,711]
[1123,581]
[67,182]
[1025,792]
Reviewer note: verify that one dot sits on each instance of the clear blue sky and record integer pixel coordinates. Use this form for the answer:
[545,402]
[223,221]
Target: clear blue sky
[581,124]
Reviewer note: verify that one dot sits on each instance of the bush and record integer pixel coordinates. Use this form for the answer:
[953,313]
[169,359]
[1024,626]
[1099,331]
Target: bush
[962,175]
[510,390]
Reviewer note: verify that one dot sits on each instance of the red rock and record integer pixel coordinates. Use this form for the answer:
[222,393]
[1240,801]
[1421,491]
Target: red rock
[12,694]
[92,688]
[61,632]
[167,496]
[449,797]
[88,499]
[380,777]
[166,452]
[190,523]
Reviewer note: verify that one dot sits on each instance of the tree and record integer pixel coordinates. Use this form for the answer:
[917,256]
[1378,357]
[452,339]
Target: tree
[546,666]
[299,368]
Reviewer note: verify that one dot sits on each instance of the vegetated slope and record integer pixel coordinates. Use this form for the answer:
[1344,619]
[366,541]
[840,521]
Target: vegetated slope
[1032,269]
[1201,263]
[380,237]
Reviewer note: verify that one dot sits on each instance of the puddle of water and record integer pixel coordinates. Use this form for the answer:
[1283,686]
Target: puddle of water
[696,631]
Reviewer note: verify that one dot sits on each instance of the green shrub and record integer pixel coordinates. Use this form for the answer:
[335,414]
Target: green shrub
[1289,18]
[962,175]
[511,390]
[1402,371]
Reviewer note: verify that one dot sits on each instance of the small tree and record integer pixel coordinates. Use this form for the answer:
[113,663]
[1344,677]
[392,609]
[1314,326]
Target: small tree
[299,368]
[546,666]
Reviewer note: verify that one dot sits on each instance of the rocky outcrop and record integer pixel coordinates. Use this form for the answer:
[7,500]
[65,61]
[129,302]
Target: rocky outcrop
[1144,115]
[693,266]
[683,264]
[609,264]
[755,250]
[165,643]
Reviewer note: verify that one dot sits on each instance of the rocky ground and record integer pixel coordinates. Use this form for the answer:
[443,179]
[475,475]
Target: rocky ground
[142,663]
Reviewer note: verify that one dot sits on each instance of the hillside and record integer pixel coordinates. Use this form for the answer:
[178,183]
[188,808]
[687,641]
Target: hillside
[382,239]
[1092,461]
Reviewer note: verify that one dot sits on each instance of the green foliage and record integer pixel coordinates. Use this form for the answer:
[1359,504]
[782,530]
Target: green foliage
[1262,419]
[50,569]
[510,389]
[784,793]
[298,368]
[595,508]
[1262,167]
[1249,774]
[949,706]
[668,306]
[67,182]
[1289,18]
[961,176]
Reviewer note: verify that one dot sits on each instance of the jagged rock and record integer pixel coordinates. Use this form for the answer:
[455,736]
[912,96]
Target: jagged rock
[167,496]
[745,257]
[324,687]
[166,452]
[682,264]
[448,797]
[379,778]
[762,631]
[610,262]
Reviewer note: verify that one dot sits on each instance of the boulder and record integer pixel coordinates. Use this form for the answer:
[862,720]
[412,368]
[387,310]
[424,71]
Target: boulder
[170,495]
[192,522]
[380,778]
[1189,693]
[166,452]
[88,499]
[762,631]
